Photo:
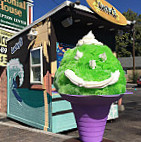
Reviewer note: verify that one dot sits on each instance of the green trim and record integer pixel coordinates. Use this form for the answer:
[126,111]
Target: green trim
[63,122]
[62,105]
[49,112]
[55,96]
[8,90]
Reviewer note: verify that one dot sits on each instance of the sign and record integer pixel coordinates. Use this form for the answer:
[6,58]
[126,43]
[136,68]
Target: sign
[13,13]
[107,11]
[17,46]
[3,46]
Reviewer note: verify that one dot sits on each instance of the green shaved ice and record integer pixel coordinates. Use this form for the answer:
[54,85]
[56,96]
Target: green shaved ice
[82,69]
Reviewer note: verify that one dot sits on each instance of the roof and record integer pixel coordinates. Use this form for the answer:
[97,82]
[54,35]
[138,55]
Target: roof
[127,62]
[50,13]
[63,5]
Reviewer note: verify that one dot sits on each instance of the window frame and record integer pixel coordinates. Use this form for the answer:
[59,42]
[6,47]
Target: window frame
[36,65]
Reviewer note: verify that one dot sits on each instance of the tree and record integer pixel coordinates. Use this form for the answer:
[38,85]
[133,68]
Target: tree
[124,43]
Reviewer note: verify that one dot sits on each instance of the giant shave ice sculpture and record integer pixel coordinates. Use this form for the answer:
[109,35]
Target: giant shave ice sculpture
[90,69]
[91,78]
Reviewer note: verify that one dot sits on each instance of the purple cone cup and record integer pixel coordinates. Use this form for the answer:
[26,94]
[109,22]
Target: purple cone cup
[91,114]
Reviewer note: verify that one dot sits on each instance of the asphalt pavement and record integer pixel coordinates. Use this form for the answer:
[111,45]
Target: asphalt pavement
[127,128]
[13,131]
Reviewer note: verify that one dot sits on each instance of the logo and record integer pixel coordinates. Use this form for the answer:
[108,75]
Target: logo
[99,6]
[17,46]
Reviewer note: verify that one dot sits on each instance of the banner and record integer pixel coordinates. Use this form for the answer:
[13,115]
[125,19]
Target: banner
[13,13]
[3,46]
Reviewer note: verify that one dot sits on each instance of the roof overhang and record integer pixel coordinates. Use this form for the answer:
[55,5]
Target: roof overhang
[78,13]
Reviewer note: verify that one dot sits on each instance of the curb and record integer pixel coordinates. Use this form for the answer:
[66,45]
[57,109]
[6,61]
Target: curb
[36,130]
[131,84]
[45,132]
[61,136]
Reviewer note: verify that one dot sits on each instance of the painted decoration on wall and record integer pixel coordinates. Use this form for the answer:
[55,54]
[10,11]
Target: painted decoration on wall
[61,48]
[24,104]
[16,71]
[107,11]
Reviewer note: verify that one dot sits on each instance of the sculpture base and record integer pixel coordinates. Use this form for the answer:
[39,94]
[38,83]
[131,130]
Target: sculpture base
[91,121]
[91,114]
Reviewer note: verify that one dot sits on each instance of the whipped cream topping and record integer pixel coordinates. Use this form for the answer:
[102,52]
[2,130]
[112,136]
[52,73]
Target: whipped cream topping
[78,55]
[92,84]
[89,39]
[92,64]
[103,57]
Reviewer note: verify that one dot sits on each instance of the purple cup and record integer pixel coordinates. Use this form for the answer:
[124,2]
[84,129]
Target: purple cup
[91,114]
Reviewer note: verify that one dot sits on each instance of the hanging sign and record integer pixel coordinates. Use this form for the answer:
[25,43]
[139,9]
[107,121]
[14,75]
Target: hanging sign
[107,11]
[4,35]
[13,13]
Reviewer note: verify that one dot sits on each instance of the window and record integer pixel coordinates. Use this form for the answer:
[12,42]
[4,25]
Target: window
[36,66]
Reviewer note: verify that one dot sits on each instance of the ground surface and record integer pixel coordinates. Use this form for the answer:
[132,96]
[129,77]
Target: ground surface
[127,128]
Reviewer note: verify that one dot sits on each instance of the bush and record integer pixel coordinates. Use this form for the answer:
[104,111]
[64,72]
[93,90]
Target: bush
[134,77]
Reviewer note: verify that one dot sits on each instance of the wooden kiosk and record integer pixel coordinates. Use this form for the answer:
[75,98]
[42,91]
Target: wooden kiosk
[33,57]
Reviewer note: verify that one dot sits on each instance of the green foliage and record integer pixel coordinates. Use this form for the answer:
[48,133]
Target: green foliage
[124,44]
[82,69]
[134,77]
[130,15]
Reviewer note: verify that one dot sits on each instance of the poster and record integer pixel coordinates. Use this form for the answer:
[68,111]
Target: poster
[4,35]
[61,48]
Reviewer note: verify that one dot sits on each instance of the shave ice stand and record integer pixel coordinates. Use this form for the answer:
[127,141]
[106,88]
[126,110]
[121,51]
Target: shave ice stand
[35,53]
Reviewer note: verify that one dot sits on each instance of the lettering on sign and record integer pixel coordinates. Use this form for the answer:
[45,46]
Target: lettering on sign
[17,46]
[3,40]
[3,50]
[110,11]
[4,35]
[3,59]
[13,10]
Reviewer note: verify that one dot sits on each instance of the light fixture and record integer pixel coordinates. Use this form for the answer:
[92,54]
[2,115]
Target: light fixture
[134,22]
[112,29]
[72,4]
[32,34]
[67,22]
[77,20]
[100,27]
[89,24]
[77,2]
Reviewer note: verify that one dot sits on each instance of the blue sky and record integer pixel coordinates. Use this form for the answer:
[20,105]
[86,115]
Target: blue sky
[41,7]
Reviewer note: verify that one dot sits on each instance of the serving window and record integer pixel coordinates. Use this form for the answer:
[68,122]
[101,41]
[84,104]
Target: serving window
[36,66]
